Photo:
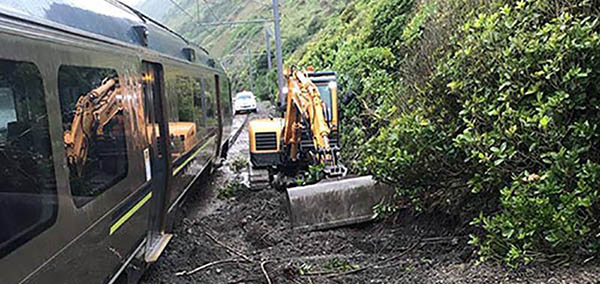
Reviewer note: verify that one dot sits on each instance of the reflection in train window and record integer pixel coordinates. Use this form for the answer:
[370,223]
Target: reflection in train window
[200,106]
[226,99]
[183,131]
[212,122]
[94,130]
[28,201]
[185,99]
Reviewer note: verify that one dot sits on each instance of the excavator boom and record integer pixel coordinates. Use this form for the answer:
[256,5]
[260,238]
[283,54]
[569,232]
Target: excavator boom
[93,110]
[305,103]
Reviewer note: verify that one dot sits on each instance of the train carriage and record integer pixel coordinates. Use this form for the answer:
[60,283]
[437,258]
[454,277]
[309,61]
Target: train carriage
[107,119]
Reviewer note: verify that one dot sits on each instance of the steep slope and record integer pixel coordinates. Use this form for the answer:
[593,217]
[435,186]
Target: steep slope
[485,111]
[300,20]
[481,111]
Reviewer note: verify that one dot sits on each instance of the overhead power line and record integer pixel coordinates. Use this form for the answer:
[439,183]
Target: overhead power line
[182,9]
[241,54]
[210,10]
[260,21]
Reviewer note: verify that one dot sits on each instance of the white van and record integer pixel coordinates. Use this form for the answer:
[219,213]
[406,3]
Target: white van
[244,102]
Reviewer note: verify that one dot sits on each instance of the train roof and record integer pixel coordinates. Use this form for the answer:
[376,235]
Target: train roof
[107,18]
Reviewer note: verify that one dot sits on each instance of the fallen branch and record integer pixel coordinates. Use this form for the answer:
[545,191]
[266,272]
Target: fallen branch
[413,247]
[262,266]
[205,266]
[347,272]
[231,250]
[333,273]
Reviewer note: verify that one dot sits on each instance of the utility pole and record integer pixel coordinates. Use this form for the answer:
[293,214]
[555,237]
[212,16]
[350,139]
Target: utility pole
[268,40]
[278,51]
[269,63]
[251,71]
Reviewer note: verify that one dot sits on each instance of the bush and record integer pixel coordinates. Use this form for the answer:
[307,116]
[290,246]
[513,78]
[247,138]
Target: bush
[358,46]
[512,119]
[485,110]
[409,154]
[527,86]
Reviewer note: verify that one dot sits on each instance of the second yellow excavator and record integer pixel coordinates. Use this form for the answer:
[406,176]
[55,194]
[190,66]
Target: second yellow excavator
[307,135]
[305,142]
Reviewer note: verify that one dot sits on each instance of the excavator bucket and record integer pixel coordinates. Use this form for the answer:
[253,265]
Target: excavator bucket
[334,204]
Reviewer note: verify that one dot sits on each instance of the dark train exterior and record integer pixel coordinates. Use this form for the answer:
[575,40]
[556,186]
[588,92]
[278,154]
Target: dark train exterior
[107,118]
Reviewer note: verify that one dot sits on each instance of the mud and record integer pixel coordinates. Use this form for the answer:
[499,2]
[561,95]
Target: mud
[246,238]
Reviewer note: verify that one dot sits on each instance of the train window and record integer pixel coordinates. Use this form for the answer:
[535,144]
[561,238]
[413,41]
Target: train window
[183,131]
[185,99]
[94,130]
[200,105]
[226,99]
[212,121]
[28,199]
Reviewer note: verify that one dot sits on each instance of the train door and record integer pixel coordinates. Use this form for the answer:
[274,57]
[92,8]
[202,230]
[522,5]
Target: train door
[220,114]
[158,163]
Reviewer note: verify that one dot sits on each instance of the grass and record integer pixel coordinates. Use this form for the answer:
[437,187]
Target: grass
[239,163]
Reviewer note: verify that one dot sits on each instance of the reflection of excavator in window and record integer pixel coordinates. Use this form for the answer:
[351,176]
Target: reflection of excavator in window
[93,111]
[97,109]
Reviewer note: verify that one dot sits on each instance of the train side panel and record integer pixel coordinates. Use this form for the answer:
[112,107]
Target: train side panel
[69,222]
[84,241]
[191,100]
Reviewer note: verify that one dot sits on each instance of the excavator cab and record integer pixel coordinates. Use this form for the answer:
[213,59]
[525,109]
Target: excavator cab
[326,82]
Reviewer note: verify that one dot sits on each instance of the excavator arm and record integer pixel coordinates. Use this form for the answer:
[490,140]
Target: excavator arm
[304,102]
[93,111]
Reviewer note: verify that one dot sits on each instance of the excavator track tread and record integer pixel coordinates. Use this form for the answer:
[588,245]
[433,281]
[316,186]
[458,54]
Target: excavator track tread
[259,179]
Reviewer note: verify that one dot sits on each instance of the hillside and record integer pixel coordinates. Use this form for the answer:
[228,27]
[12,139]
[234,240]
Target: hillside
[480,112]
[300,20]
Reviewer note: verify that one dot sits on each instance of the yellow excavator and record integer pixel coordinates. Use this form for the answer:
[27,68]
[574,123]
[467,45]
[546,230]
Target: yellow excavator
[305,142]
[307,135]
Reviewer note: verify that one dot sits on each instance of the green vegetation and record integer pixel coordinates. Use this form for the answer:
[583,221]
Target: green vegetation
[239,163]
[485,110]
[315,174]
[230,189]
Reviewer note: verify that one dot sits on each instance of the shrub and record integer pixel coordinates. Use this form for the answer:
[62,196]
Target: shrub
[527,85]
[359,46]
[507,127]
[485,109]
